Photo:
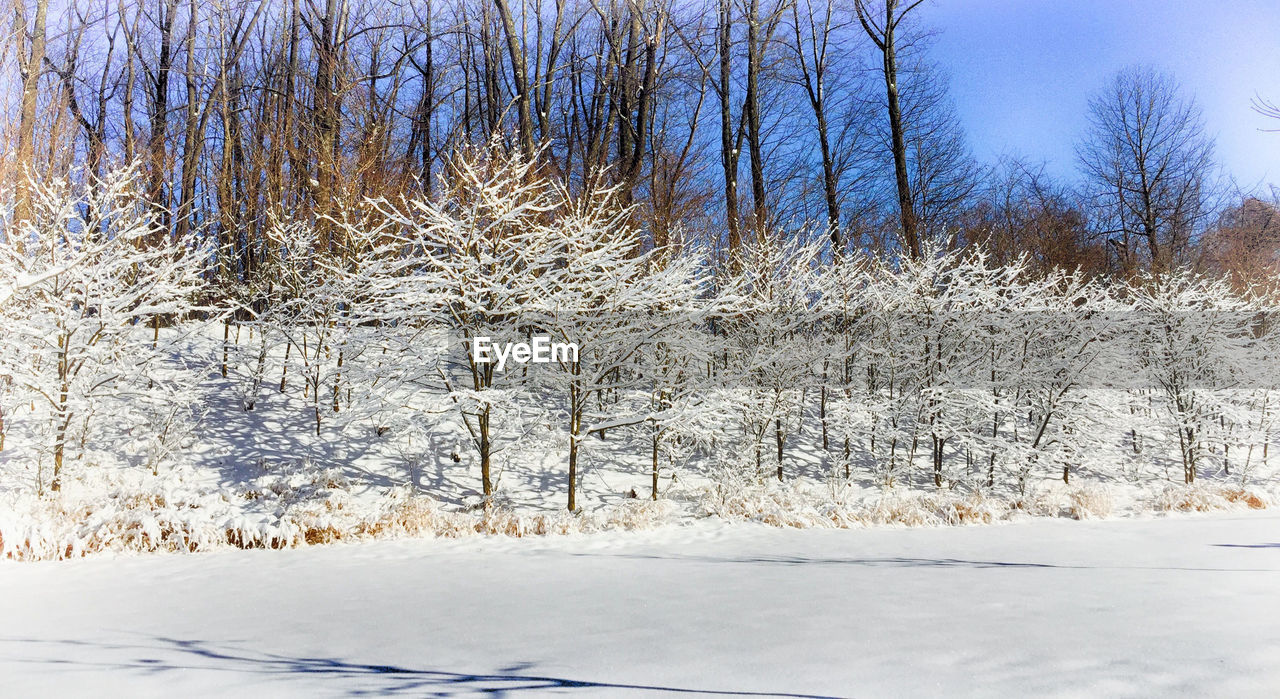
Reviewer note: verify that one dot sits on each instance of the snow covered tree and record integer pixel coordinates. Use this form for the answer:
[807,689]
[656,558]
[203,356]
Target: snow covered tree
[327,308]
[772,339]
[1194,340]
[685,403]
[1029,407]
[93,274]
[599,291]
[472,258]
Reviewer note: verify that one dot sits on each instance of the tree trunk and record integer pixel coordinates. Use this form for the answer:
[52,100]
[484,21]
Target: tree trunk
[728,142]
[576,405]
[654,472]
[159,106]
[781,440]
[30,66]
[905,205]
[486,454]
[884,39]
[752,108]
[191,145]
[519,77]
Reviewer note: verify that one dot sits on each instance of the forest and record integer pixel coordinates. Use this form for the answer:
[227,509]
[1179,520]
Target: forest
[246,246]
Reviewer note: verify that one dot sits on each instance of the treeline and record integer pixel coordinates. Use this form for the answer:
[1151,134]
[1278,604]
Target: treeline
[725,117]
[954,370]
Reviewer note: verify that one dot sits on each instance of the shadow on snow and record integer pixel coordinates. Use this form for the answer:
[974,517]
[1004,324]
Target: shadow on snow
[366,678]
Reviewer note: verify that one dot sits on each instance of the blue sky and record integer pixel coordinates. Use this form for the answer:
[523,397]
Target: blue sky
[1022,71]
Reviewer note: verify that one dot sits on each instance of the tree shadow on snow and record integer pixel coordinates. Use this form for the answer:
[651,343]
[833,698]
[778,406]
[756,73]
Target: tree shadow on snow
[364,679]
[1249,546]
[907,562]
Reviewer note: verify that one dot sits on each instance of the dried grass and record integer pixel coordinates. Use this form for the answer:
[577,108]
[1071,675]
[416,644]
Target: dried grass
[1250,499]
[1090,502]
[321,511]
[796,505]
[317,509]
[1202,497]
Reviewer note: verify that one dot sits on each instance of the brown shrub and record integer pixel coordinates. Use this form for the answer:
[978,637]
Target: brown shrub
[1239,495]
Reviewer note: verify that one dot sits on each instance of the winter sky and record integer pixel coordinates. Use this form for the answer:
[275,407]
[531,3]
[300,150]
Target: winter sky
[1022,71]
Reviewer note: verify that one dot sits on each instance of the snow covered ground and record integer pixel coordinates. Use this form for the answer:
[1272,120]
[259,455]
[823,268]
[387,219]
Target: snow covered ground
[1185,605]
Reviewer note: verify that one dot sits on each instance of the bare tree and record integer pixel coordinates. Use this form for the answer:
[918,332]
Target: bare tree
[943,174]
[813,37]
[1150,164]
[1244,243]
[1022,211]
[883,34]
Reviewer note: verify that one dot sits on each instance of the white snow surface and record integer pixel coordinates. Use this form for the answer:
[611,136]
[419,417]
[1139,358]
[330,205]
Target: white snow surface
[1183,605]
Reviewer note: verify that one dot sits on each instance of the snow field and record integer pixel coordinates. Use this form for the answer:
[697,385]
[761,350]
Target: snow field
[1168,607]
